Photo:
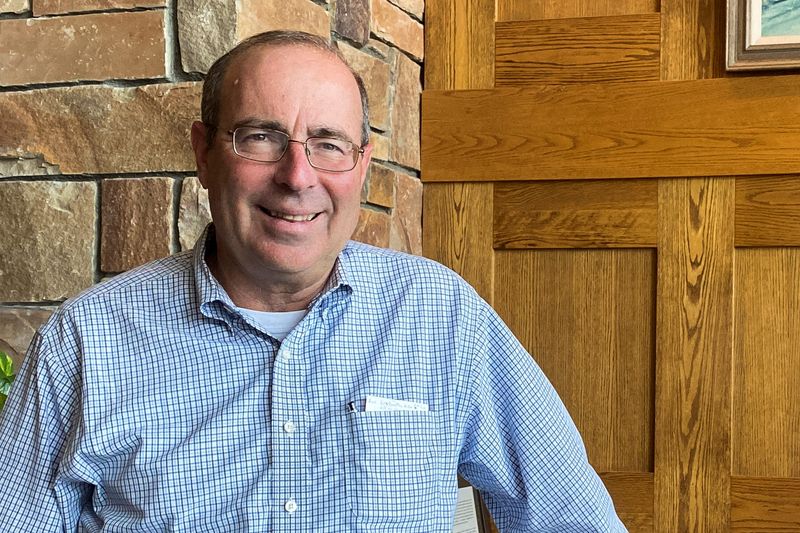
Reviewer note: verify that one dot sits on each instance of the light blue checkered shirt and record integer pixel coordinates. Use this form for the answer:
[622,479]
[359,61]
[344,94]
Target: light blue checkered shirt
[149,403]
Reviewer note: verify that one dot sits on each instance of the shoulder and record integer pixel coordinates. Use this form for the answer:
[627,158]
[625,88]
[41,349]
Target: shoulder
[149,285]
[366,260]
[390,276]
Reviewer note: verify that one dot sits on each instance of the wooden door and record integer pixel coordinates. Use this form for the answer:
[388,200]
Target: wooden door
[634,215]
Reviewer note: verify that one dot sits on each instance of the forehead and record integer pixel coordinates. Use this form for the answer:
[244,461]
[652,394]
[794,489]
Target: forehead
[298,86]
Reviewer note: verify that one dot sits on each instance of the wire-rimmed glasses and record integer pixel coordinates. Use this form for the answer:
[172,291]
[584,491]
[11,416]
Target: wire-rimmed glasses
[268,146]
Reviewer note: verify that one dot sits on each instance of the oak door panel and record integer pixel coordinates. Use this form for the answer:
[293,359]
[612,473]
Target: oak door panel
[588,214]
[587,318]
[766,393]
[622,48]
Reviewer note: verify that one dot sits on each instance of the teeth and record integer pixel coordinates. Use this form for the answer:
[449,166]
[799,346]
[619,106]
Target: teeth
[291,218]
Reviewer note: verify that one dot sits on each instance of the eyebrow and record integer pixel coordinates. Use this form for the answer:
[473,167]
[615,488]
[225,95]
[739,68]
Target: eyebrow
[330,132]
[321,131]
[253,122]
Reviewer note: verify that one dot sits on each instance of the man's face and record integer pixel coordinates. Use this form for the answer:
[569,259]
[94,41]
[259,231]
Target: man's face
[282,218]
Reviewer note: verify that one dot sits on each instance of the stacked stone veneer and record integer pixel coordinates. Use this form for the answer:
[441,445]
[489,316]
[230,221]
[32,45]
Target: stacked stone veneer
[96,101]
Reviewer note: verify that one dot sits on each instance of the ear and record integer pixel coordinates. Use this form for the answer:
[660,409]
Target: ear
[200,140]
[366,157]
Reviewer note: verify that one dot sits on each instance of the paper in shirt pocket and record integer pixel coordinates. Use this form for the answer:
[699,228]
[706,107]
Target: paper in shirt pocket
[391,477]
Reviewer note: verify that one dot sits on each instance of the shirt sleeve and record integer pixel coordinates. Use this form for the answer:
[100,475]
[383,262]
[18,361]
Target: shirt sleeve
[35,426]
[521,449]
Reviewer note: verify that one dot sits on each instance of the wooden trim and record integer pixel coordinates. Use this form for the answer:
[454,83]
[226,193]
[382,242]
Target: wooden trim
[458,233]
[563,214]
[459,44]
[600,49]
[765,504]
[768,211]
[692,39]
[718,127]
[694,353]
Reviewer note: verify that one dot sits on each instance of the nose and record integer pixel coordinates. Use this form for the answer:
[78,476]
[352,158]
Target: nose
[294,171]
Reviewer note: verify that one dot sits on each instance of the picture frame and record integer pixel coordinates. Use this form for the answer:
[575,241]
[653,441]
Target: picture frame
[763,34]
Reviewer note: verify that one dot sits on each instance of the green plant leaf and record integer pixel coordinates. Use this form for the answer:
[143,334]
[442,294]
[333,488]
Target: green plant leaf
[2,401]
[6,365]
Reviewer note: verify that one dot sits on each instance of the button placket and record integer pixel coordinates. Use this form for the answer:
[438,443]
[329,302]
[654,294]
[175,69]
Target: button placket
[289,468]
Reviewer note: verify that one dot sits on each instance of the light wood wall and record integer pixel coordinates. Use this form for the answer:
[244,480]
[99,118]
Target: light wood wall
[633,213]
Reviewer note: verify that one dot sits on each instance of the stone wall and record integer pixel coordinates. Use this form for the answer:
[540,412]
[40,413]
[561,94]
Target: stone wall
[96,101]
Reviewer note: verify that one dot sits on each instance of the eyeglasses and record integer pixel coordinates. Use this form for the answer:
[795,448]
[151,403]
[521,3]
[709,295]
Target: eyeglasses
[268,146]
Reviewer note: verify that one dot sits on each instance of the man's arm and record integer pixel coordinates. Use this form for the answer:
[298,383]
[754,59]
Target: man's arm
[34,430]
[521,448]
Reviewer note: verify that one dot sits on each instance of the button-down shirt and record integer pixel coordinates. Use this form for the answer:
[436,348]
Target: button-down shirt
[149,403]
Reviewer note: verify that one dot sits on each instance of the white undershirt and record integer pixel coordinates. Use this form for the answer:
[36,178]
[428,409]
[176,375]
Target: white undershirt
[276,324]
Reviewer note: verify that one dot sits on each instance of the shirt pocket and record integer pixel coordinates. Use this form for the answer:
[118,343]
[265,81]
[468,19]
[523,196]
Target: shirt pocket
[391,478]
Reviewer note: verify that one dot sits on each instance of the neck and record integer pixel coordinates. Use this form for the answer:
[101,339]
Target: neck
[275,292]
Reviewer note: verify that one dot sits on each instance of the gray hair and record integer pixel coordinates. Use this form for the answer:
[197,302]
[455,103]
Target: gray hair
[212,86]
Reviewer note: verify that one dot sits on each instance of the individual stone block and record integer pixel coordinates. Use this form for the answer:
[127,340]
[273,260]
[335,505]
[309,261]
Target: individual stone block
[208,28]
[377,78]
[373,228]
[256,16]
[14,6]
[415,7]
[97,129]
[103,46]
[136,222]
[406,227]
[405,113]
[194,212]
[55,7]
[17,326]
[380,146]
[352,20]
[392,24]
[47,238]
[381,185]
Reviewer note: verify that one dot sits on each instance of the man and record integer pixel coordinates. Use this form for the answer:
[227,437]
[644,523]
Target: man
[279,377]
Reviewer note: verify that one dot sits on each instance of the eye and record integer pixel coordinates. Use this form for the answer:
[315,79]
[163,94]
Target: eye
[330,147]
[258,136]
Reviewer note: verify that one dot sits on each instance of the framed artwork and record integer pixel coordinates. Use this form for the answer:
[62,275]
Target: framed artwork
[763,34]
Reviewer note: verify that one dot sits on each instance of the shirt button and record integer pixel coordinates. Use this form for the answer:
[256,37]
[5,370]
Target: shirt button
[286,355]
[290,506]
[289,427]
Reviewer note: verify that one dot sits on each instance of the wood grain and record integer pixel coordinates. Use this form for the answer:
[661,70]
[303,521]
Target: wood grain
[623,48]
[458,231]
[768,211]
[762,504]
[694,352]
[719,127]
[587,318]
[554,9]
[693,39]
[459,44]
[632,493]
[766,406]
[568,214]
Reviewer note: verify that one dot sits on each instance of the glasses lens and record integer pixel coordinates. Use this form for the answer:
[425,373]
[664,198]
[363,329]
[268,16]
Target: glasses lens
[331,154]
[260,144]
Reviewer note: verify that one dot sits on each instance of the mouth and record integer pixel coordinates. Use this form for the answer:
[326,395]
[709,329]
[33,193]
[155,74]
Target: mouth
[288,217]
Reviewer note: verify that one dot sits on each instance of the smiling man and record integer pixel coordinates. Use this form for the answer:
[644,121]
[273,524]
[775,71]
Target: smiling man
[280,377]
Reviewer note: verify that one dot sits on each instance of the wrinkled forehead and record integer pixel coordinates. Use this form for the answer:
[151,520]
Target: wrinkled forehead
[275,80]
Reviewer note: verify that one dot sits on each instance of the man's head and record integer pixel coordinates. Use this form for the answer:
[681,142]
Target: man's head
[281,217]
